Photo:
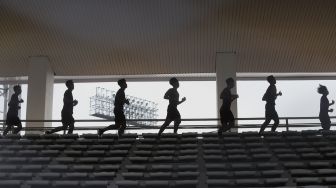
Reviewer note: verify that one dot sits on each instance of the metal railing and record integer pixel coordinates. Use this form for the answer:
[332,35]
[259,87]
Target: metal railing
[241,126]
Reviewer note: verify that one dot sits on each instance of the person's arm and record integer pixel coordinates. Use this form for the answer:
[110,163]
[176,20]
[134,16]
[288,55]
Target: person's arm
[332,102]
[274,93]
[221,95]
[74,102]
[14,101]
[279,94]
[67,99]
[126,101]
[11,102]
[183,99]
[167,95]
[266,96]
[234,97]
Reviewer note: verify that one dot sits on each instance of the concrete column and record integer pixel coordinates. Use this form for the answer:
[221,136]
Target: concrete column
[225,67]
[40,91]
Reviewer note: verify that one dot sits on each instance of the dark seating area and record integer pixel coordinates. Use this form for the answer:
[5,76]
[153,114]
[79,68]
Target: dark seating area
[284,159]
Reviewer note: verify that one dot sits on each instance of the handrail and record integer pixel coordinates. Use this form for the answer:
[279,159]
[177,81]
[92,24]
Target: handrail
[186,119]
[287,125]
[81,128]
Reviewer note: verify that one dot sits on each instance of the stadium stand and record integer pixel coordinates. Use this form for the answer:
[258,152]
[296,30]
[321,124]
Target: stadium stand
[285,159]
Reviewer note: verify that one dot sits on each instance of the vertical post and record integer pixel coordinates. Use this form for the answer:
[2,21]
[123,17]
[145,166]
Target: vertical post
[226,67]
[40,91]
[6,97]
[287,128]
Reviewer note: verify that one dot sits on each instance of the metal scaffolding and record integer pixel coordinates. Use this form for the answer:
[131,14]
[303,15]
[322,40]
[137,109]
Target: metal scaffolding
[102,105]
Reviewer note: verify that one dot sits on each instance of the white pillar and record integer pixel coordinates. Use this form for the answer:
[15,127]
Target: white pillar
[225,67]
[40,91]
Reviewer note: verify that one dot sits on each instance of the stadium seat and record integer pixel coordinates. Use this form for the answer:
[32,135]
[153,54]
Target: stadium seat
[65,184]
[156,184]
[38,183]
[31,168]
[104,175]
[185,183]
[49,175]
[308,181]
[219,183]
[10,183]
[127,183]
[108,168]
[75,176]
[95,184]
[21,176]
[132,175]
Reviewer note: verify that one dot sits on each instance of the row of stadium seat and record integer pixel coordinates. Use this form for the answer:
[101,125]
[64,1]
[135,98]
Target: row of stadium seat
[189,160]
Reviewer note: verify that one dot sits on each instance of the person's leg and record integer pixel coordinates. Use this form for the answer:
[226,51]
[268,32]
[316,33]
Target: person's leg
[276,121]
[163,127]
[60,128]
[65,122]
[327,126]
[122,126]
[325,123]
[220,129]
[71,125]
[6,130]
[121,129]
[71,128]
[229,122]
[10,121]
[223,123]
[230,125]
[177,123]
[268,117]
[110,127]
[56,129]
[177,120]
[264,125]
[18,127]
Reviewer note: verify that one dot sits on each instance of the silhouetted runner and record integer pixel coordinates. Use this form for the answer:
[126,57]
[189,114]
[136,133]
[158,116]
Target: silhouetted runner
[227,118]
[68,103]
[119,116]
[270,96]
[324,107]
[13,112]
[172,113]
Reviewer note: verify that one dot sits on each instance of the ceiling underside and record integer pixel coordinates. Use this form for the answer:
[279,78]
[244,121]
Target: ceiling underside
[128,37]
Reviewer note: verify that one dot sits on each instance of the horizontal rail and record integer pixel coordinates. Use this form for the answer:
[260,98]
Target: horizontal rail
[242,126]
[180,127]
[187,119]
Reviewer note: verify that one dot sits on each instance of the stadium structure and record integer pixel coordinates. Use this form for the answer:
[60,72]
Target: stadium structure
[102,105]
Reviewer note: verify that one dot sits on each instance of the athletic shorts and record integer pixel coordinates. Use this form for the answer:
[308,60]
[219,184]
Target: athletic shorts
[67,119]
[226,116]
[12,120]
[173,113]
[119,117]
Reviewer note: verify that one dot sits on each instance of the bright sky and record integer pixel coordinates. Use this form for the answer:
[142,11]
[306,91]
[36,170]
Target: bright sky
[200,103]
[300,98]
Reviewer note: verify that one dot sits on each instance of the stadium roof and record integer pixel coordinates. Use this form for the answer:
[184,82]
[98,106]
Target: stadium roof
[127,37]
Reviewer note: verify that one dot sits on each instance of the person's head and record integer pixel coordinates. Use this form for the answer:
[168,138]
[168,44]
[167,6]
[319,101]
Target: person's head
[174,82]
[122,83]
[230,82]
[69,84]
[17,89]
[271,79]
[322,90]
